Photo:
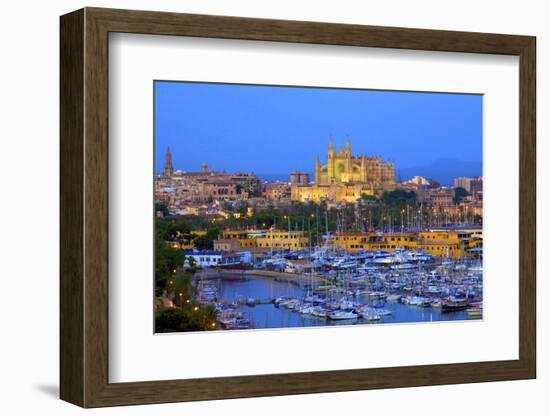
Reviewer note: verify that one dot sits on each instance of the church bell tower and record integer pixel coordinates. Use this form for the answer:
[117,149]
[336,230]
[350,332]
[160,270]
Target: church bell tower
[168,168]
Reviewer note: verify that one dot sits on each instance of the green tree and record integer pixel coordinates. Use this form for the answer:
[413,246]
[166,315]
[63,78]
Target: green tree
[161,207]
[399,198]
[167,260]
[206,242]
[169,228]
[188,317]
[365,197]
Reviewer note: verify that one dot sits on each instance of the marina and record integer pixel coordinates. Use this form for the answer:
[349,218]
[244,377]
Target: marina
[343,289]
[364,228]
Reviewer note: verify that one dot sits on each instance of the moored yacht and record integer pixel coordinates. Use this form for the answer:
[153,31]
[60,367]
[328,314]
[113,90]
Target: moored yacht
[342,314]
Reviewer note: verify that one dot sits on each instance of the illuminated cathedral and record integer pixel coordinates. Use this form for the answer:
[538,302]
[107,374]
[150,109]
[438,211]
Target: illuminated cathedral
[346,177]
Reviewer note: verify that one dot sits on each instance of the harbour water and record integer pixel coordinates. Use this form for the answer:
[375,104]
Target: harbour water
[236,289]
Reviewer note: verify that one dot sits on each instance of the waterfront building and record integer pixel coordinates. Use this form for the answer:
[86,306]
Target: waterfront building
[241,238]
[205,258]
[215,258]
[471,236]
[227,244]
[235,240]
[283,240]
[262,240]
[372,241]
[236,234]
[437,242]
[441,242]
[346,177]
[444,243]
[349,241]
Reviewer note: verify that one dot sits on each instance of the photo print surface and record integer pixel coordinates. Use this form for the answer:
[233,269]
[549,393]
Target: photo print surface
[289,206]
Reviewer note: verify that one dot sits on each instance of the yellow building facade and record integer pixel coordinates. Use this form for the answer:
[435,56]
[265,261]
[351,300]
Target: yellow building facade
[262,240]
[346,177]
[245,240]
[286,240]
[437,243]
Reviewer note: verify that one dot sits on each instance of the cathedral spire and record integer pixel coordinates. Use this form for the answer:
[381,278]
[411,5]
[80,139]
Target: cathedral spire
[168,168]
[317,171]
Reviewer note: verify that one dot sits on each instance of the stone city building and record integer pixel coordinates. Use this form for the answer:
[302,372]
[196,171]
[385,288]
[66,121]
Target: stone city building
[346,177]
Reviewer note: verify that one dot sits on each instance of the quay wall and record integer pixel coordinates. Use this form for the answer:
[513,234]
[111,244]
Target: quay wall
[290,277]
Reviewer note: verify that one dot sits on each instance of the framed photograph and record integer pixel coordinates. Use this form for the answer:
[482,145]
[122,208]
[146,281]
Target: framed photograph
[280,207]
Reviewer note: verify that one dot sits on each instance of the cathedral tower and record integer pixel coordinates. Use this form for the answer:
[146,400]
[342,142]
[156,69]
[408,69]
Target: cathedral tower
[317,172]
[363,168]
[347,160]
[345,177]
[168,168]
[330,162]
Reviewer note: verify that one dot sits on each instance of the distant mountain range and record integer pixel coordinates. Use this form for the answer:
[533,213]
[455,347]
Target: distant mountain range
[443,170]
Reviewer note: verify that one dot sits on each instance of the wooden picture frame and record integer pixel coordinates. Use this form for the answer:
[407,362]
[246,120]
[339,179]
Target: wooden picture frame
[84,207]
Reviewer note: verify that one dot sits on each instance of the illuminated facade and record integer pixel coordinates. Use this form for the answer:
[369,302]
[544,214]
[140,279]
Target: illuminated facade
[262,240]
[345,177]
[440,243]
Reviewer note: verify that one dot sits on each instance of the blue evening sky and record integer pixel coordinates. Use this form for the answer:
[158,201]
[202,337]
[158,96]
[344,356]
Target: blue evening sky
[273,130]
